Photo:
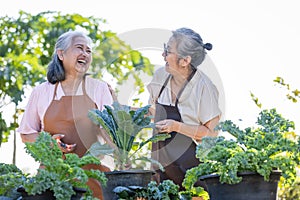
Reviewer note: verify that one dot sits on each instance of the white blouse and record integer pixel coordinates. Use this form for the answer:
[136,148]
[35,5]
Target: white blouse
[198,102]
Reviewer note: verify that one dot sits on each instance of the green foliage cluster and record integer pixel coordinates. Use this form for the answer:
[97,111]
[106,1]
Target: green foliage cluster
[122,125]
[166,190]
[272,145]
[10,178]
[290,193]
[57,174]
[27,43]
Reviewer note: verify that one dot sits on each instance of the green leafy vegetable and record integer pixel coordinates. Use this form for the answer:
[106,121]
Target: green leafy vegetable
[269,146]
[58,175]
[123,125]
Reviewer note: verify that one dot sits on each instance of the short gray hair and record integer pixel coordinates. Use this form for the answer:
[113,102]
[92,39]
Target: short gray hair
[56,70]
[190,43]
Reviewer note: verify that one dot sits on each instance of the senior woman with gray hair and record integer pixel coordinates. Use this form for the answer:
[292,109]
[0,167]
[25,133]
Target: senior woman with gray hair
[60,105]
[185,103]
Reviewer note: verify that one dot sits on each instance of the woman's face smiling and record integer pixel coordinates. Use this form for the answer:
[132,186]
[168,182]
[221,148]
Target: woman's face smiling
[78,57]
[171,57]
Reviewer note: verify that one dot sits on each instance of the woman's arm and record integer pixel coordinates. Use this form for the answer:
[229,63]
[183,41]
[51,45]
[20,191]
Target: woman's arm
[29,137]
[196,132]
[66,148]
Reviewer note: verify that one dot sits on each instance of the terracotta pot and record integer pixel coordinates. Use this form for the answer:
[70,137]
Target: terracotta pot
[197,198]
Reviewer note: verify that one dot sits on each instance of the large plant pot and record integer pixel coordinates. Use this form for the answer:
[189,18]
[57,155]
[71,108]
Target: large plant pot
[252,187]
[125,178]
[48,195]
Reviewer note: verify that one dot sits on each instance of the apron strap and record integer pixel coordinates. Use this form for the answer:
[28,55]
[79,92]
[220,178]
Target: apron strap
[163,87]
[83,85]
[56,84]
[180,92]
[186,82]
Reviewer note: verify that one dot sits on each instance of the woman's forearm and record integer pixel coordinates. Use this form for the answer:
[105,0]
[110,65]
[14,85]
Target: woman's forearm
[196,132]
[29,137]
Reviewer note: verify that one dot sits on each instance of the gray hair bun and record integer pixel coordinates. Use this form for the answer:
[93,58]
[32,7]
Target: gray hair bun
[208,46]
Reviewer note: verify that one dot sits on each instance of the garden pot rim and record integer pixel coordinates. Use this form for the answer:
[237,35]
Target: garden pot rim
[245,173]
[76,189]
[130,171]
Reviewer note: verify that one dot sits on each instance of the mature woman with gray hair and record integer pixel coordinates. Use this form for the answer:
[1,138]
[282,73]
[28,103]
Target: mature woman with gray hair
[60,105]
[185,103]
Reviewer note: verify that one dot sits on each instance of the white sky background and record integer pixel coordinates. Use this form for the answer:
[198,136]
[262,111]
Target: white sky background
[254,41]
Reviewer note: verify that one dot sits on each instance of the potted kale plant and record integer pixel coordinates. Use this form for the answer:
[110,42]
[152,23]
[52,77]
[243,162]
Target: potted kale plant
[166,190]
[250,165]
[11,177]
[59,178]
[122,126]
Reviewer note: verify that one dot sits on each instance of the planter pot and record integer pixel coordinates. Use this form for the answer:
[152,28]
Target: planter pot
[252,187]
[125,178]
[48,195]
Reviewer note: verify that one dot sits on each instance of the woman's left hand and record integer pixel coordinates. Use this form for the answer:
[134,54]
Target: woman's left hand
[65,148]
[167,126]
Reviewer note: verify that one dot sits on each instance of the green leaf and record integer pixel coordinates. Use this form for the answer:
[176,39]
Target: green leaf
[97,149]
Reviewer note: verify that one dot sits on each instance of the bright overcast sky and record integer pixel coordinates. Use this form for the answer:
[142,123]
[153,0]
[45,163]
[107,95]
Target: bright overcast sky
[254,41]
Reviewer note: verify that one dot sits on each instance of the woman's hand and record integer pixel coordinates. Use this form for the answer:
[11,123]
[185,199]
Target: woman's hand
[65,148]
[167,126]
[196,132]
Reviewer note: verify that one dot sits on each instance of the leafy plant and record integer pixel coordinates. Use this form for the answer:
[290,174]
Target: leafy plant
[166,190]
[10,178]
[122,125]
[58,175]
[291,192]
[269,146]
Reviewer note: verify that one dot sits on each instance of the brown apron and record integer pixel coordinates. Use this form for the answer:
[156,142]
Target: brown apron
[177,153]
[69,116]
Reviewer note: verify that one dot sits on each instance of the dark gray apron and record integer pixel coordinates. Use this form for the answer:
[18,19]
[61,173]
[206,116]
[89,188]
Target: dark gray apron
[177,153]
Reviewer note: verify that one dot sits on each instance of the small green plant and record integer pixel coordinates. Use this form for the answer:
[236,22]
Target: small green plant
[122,125]
[290,192]
[166,190]
[272,145]
[10,178]
[58,175]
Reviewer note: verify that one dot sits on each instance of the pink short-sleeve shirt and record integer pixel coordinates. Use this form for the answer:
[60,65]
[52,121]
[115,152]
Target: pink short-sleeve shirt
[42,95]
